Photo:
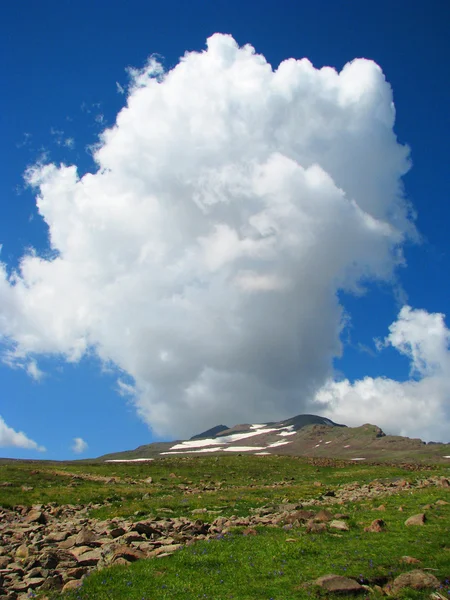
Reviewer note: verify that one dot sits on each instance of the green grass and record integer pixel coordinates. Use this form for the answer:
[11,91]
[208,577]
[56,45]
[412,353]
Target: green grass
[268,566]
[245,567]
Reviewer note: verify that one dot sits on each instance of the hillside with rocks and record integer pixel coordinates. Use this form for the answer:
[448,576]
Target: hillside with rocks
[47,547]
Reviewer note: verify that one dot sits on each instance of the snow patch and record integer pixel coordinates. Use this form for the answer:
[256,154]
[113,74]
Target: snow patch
[187,451]
[357,459]
[286,433]
[128,460]
[280,443]
[242,448]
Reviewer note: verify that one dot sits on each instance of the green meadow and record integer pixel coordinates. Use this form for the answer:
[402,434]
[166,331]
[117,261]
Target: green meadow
[272,562]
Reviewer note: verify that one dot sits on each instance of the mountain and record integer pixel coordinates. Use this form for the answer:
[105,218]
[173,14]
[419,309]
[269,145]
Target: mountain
[210,432]
[303,435]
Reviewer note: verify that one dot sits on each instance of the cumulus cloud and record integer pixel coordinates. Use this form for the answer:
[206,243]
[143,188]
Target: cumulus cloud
[79,445]
[418,407]
[230,204]
[16,439]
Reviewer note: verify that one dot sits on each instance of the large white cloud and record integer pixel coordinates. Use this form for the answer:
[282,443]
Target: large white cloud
[204,256]
[17,439]
[419,407]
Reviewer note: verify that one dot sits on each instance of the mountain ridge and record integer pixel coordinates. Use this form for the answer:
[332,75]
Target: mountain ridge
[303,435]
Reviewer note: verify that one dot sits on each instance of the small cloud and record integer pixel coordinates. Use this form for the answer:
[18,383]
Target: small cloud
[120,88]
[25,141]
[34,371]
[100,119]
[79,445]
[69,143]
[17,439]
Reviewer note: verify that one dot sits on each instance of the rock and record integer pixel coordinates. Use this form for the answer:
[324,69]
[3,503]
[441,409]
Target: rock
[76,573]
[312,527]
[55,582]
[441,503]
[249,531]
[68,543]
[444,482]
[90,558]
[56,536]
[127,553]
[416,520]
[22,552]
[34,582]
[381,507]
[148,480]
[86,537]
[340,525]
[146,528]
[117,532]
[338,584]
[416,580]
[410,560]
[323,516]
[170,548]
[36,516]
[300,515]
[377,526]
[73,584]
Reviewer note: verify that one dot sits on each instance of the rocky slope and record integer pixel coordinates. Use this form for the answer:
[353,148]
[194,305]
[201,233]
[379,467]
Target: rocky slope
[303,435]
[48,547]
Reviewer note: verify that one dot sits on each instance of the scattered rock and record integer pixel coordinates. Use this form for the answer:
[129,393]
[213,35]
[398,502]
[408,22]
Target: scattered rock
[416,580]
[377,526]
[323,516]
[73,584]
[36,516]
[340,525]
[416,519]
[336,584]
[249,531]
[86,537]
[22,552]
[312,527]
[410,560]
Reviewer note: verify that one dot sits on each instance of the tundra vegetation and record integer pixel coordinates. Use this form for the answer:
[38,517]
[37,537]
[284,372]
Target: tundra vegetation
[224,527]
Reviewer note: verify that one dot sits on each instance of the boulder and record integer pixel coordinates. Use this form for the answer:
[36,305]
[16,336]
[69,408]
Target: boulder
[416,520]
[90,558]
[416,580]
[339,525]
[337,584]
[86,537]
[36,516]
[377,526]
[73,584]
[410,560]
[312,527]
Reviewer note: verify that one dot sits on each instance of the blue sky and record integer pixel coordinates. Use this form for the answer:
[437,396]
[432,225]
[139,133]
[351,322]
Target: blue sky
[65,70]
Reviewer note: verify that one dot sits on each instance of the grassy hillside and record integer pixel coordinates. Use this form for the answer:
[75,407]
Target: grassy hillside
[275,560]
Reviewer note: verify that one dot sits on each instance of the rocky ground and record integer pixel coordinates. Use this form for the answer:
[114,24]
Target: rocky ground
[50,547]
